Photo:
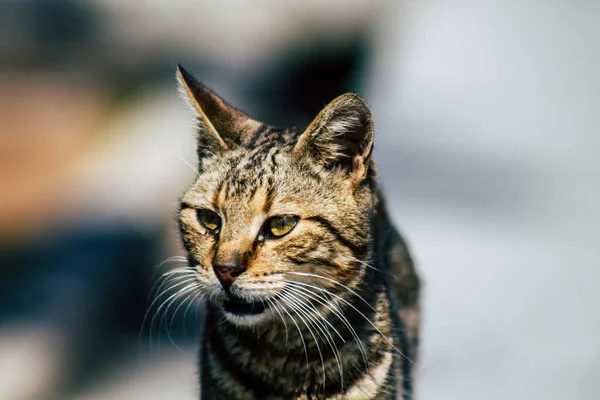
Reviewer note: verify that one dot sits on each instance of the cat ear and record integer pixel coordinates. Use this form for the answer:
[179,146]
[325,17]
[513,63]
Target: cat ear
[220,126]
[341,136]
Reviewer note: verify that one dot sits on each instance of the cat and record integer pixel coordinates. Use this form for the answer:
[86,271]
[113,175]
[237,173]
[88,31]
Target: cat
[312,292]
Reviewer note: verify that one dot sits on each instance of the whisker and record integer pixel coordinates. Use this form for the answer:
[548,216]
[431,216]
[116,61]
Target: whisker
[174,260]
[169,277]
[157,298]
[166,312]
[180,294]
[188,164]
[353,307]
[272,304]
[336,283]
[374,268]
[167,301]
[314,309]
[193,293]
[302,291]
[298,311]
[323,328]
[193,302]
[301,337]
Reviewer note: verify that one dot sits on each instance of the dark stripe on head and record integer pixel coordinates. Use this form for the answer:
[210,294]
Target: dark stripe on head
[257,136]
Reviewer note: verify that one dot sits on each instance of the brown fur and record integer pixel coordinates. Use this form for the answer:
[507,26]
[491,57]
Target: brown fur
[341,289]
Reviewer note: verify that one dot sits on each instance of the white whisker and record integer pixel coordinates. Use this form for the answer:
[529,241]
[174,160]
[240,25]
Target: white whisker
[298,311]
[301,337]
[302,291]
[167,301]
[157,298]
[193,302]
[188,164]
[353,307]
[272,305]
[374,268]
[328,337]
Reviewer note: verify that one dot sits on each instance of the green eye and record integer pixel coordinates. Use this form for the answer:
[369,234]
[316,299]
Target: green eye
[279,226]
[209,220]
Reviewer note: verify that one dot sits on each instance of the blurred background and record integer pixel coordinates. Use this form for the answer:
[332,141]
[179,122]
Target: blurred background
[488,134]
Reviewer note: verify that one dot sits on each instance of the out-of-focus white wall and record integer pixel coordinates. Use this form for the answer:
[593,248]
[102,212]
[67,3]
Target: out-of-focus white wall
[521,78]
[488,131]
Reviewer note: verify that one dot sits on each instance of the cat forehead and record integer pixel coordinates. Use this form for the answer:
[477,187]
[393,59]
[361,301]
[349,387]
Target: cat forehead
[242,172]
[258,161]
[266,137]
[256,168]
[270,181]
[262,167]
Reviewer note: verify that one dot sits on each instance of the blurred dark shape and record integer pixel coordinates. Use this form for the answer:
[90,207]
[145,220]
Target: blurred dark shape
[295,89]
[90,283]
[59,22]
[45,33]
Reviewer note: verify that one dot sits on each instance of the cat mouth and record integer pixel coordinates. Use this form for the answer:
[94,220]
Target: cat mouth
[242,307]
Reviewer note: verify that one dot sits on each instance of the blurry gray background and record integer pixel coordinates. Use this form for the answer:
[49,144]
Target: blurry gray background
[487,138]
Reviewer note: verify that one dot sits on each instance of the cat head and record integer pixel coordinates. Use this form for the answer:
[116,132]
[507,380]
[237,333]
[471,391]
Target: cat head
[277,215]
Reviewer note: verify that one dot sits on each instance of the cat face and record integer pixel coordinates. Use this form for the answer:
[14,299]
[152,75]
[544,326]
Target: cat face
[276,218]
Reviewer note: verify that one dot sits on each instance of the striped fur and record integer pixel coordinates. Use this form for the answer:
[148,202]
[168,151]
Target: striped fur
[340,290]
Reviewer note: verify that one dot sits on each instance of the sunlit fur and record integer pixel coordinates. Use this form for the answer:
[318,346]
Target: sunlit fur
[342,313]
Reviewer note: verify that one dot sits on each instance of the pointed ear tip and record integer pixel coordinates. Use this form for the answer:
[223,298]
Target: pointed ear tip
[182,70]
[352,98]
[186,78]
[181,74]
[356,102]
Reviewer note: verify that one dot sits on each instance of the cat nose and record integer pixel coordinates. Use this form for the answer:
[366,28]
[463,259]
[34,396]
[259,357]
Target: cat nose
[227,273]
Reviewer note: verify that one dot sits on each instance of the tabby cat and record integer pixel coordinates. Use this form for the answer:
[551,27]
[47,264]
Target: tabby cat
[311,291]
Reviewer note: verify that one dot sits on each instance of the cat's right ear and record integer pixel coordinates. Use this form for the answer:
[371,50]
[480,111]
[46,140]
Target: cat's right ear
[341,137]
[220,126]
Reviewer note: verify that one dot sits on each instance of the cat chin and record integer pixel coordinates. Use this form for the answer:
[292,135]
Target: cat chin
[248,320]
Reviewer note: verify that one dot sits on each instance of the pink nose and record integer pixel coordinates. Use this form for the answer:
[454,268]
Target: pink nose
[227,273]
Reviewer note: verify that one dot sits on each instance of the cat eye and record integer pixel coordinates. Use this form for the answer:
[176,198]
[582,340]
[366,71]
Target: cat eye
[209,220]
[279,226]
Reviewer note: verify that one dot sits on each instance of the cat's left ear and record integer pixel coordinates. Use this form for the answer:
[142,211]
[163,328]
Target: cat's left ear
[341,137]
